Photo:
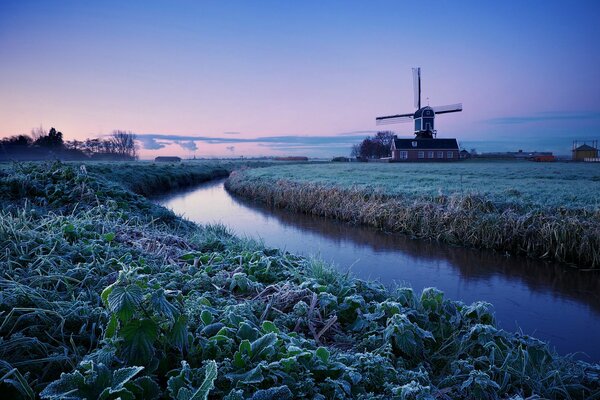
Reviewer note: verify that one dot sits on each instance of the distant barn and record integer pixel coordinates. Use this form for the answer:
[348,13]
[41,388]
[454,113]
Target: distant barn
[580,153]
[425,150]
[167,159]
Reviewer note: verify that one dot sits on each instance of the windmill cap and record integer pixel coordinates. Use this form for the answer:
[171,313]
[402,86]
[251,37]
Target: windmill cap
[424,112]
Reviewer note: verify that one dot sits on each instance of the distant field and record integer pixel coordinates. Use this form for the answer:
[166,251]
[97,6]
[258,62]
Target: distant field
[150,178]
[571,185]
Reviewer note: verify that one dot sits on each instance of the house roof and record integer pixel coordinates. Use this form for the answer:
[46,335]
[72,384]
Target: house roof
[167,158]
[586,147]
[425,144]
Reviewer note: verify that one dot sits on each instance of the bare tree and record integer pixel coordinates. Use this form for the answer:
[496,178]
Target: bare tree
[123,143]
[37,133]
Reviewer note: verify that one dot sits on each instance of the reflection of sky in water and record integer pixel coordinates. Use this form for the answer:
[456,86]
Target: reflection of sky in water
[552,303]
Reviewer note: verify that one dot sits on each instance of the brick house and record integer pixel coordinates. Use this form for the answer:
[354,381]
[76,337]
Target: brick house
[425,150]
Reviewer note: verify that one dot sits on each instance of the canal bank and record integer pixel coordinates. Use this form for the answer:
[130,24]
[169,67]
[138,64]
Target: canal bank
[549,301]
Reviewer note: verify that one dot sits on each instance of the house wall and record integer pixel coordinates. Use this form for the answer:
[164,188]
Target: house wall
[413,155]
[579,155]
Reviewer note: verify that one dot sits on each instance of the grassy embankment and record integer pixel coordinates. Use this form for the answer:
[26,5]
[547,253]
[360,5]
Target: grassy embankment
[129,301]
[548,211]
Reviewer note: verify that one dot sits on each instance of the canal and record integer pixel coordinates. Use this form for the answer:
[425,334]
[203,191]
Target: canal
[555,303]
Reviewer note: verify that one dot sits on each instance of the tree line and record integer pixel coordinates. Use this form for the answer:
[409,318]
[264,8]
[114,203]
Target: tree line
[42,144]
[376,146]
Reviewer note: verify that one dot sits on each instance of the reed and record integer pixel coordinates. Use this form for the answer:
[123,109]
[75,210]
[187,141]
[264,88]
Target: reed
[469,219]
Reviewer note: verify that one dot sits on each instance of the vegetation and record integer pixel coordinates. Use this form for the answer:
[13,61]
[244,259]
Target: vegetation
[545,211]
[50,145]
[107,295]
[377,146]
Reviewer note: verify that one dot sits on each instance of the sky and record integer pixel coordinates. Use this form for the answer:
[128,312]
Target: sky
[254,78]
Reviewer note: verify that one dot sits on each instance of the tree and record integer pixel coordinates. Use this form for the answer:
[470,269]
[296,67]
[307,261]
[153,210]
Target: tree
[54,139]
[377,146]
[17,140]
[123,144]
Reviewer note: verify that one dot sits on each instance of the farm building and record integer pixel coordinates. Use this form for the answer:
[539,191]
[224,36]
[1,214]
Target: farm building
[425,150]
[167,159]
[580,153]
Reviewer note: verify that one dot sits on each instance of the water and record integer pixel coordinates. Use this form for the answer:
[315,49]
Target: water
[554,303]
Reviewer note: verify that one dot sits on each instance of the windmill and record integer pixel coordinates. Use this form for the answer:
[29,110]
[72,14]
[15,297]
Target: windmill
[424,116]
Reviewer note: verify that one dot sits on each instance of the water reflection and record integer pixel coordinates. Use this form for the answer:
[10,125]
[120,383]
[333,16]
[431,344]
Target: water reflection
[553,302]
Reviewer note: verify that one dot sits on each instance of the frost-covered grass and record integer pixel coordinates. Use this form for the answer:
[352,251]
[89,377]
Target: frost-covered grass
[548,211]
[105,295]
[530,184]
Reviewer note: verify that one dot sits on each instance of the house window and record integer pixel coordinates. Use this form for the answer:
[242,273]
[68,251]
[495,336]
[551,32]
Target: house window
[440,154]
[421,154]
[414,143]
[430,154]
[404,155]
[450,154]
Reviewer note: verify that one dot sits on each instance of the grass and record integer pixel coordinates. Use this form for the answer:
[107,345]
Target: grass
[107,295]
[548,211]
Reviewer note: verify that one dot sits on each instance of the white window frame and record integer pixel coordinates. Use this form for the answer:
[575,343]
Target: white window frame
[450,154]
[403,155]
[421,154]
[430,154]
[440,154]
[414,143]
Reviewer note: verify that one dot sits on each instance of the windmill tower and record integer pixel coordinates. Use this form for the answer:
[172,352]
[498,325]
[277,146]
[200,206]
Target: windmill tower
[424,117]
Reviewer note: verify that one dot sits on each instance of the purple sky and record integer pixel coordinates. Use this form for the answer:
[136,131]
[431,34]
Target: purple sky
[272,77]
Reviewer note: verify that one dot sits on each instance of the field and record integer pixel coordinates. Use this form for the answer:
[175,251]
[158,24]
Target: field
[549,211]
[107,295]
[510,184]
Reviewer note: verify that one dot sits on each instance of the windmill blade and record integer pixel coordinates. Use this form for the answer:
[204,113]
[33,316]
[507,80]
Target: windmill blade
[448,109]
[394,119]
[417,86]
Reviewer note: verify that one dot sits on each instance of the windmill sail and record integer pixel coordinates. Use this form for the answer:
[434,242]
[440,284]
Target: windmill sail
[417,86]
[447,109]
[394,119]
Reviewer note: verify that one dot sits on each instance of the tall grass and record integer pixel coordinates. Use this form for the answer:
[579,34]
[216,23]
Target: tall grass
[106,295]
[570,235]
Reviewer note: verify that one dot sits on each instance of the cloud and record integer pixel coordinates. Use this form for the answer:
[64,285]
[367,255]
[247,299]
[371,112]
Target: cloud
[231,148]
[153,141]
[150,143]
[542,117]
[187,144]
[354,133]
[231,133]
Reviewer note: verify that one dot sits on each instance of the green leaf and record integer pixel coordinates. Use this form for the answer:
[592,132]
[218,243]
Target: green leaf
[269,327]
[124,300]
[122,376]
[249,377]
[161,305]
[245,331]
[206,317]
[209,382]
[65,387]
[263,346]
[245,347]
[139,337]
[179,333]
[323,354]
[106,292]
[145,388]
[111,327]
[274,393]
[109,237]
